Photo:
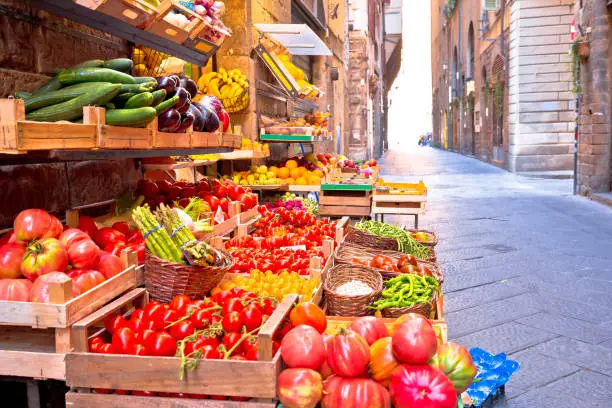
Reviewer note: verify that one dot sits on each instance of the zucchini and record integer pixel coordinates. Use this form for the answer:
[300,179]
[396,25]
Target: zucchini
[167,104]
[140,117]
[61,95]
[51,85]
[73,108]
[110,105]
[22,95]
[119,64]
[158,96]
[74,76]
[57,71]
[122,98]
[139,101]
[138,88]
[97,63]
[142,80]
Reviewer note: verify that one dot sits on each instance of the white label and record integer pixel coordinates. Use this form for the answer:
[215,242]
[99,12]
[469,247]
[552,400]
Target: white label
[295,247]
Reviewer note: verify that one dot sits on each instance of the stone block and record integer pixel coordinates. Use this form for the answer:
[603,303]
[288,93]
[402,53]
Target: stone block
[544,21]
[525,163]
[546,149]
[538,78]
[505,338]
[539,59]
[545,12]
[541,117]
[598,118]
[538,97]
[567,116]
[601,138]
[528,4]
[543,106]
[543,68]
[543,49]
[543,29]
[533,138]
[540,40]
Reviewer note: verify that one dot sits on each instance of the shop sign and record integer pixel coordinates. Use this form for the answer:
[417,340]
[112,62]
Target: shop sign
[335,19]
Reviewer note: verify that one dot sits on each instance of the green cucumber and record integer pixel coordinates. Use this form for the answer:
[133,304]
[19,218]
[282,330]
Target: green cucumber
[158,96]
[22,95]
[97,63]
[122,98]
[74,76]
[139,101]
[144,79]
[61,95]
[166,105]
[140,117]
[57,71]
[73,108]
[138,88]
[51,85]
[119,64]
[110,105]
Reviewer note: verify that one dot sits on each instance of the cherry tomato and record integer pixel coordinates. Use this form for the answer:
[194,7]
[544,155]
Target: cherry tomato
[180,303]
[201,318]
[106,348]
[182,329]
[146,337]
[230,339]
[221,296]
[154,312]
[94,344]
[210,352]
[170,316]
[275,347]
[232,305]
[207,339]
[123,339]
[114,321]
[251,348]
[281,331]
[137,350]
[144,393]
[251,317]
[268,306]
[163,345]
[232,322]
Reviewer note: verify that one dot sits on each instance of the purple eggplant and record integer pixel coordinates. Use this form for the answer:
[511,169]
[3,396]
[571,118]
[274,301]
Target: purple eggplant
[176,79]
[211,120]
[187,120]
[183,95]
[184,108]
[190,86]
[212,102]
[169,121]
[198,121]
[167,84]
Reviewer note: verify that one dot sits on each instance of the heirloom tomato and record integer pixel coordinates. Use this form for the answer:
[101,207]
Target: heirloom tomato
[44,256]
[85,279]
[72,236]
[109,265]
[11,256]
[84,254]
[370,328]
[339,392]
[299,388]
[382,361]
[39,292]
[88,226]
[302,347]
[421,386]
[348,354]
[406,317]
[36,224]
[414,342]
[456,363]
[309,314]
[15,289]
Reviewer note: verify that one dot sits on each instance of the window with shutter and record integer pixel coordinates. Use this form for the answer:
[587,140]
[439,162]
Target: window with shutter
[491,4]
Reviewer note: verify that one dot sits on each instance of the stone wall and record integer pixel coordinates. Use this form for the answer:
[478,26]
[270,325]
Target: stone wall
[358,94]
[541,106]
[32,43]
[595,138]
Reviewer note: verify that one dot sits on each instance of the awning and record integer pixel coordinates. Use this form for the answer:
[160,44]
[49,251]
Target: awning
[299,39]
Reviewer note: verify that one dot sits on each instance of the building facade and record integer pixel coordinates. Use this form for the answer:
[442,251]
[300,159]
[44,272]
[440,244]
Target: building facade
[501,82]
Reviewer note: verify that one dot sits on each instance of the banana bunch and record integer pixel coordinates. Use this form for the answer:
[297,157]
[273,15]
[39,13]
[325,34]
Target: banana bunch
[226,85]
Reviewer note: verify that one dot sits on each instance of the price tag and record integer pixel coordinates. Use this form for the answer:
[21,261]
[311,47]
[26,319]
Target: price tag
[295,247]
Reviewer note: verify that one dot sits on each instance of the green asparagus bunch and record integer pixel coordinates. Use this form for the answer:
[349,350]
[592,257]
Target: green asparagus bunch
[156,237]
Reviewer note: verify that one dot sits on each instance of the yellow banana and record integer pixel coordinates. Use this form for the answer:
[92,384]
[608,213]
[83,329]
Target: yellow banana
[213,87]
[205,79]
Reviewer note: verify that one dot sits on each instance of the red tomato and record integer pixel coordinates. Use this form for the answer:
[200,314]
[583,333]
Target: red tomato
[123,338]
[251,348]
[341,392]
[406,317]
[109,265]
[310,314]
[414,342]
[139,248]
[299,387]
[348,354]
[232,322]
[268,306]
[230,339]
[122,392]
[39,292]
[86,279]
[137,350]
[382,361]
[282,331]
[421,386]
[201,318]
[44,256]
[113,322]
[220,297]
[94,344]
[35,224]
[88,225]
[154,312]
[456,363]
[134,236]
[170,316]
[218,397]
[163,345]
[210,352]
[15,289]
[224,204]
[11,256]
[220,190]
[72,236]
[180,303]
[138,321]
[182,329]
[84,254]
[370,328]
[232,305]
[213,202]
[102,391]
[107,348]
[208,339]
[144,393]
[303,347]
[108,236]
[252,317]
[123,227]
[146,337]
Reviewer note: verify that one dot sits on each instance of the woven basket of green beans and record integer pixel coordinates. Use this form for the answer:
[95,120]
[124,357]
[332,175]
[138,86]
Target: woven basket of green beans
[404,242]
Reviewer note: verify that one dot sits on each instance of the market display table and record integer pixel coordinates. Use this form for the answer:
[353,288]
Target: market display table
[399,198]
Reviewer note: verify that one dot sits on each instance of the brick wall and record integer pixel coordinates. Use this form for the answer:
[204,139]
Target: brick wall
[358,94]
[32,43]
[595,140]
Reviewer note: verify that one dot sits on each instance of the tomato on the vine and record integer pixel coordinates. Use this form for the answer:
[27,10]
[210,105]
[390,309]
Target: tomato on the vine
[201,318]
[182,329]
[114,321]
[180,303]
[211,352]
[170,316]
[163,345]
[251,348]
[251,317]
[232,305]
[232,322]
[221,296]
[123,339]
[230,339]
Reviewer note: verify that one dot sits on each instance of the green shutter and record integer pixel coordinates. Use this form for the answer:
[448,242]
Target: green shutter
[491,4]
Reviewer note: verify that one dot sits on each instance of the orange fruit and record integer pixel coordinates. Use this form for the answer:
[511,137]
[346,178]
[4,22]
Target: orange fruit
[301,181]
[283,172]
[290,181]
[274,170]
[302,170]
[295,173]
[317,172]
[314,180]
[291,164]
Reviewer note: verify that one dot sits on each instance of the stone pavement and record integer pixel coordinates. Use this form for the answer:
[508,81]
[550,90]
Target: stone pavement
[528,272]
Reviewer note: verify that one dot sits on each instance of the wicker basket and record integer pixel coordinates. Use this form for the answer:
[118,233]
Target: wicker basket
[346,253]
[342,305]
[420,308]
[356,236]
[434,237]
[165,279]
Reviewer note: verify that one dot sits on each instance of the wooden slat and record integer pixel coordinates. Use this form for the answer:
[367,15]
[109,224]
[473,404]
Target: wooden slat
[345,201]
[32,364]
[398,198]
[203,139]
[248,215]
[267,331]
[338,210]
[119,137]
[218,377]
[91,400]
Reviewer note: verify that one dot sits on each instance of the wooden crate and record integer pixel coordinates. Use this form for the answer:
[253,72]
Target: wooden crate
[133,12]
[233,141]
[398,204]
[34,337]
[167,140]
[161,27]
[92,400]
[119,137]
[254,379]
[18,135]
[203,139]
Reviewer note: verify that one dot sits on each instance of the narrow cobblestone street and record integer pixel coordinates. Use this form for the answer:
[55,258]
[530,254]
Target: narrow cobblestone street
[528,272]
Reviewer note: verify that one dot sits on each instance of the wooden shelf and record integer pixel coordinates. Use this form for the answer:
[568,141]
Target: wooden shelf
[303,189]
[243,154]
[177,166]
[293,138]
